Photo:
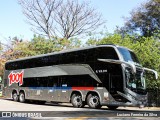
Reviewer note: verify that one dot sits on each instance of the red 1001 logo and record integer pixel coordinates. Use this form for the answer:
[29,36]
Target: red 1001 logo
[16,78]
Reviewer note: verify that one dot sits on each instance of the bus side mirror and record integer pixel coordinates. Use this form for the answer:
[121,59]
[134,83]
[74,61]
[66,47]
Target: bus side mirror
[155,72]
[133,67]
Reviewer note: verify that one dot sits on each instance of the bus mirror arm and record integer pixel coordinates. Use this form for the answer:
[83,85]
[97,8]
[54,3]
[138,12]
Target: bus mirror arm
[133,67]
[155,72]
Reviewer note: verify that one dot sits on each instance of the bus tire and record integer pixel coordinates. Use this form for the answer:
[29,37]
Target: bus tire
[112,107]
[93,101]
[22,97]
[76,101]
[15,96]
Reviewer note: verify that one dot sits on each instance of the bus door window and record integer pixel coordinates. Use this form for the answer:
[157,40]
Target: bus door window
[115,78]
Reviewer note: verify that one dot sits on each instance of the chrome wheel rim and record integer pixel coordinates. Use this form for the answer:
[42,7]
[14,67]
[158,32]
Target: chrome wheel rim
[21,98]
[77,100]
[94,101]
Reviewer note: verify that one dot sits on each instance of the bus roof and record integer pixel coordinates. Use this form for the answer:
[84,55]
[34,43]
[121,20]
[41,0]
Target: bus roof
[66,51]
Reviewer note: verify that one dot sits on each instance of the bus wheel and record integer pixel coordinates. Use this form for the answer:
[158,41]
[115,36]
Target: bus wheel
[76,101]
[22,97]
[15,96]
[112,107]
[93,101]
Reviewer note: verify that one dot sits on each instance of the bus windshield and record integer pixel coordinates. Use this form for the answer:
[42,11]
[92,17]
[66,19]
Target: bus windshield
[136,81]
[128,56]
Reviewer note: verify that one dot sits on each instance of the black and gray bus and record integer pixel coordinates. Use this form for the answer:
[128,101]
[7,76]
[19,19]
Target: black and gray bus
[101,75]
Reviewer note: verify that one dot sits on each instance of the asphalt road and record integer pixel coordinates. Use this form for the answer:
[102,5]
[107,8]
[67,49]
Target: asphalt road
[65,110]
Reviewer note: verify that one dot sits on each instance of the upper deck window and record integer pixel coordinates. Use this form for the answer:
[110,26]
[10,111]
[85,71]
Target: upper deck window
[106,53]
[128,56]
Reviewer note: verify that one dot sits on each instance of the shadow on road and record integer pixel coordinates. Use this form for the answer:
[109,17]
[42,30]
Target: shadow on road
[70,106]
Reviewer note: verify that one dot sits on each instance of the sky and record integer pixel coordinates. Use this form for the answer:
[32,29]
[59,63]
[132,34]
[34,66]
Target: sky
[13,22]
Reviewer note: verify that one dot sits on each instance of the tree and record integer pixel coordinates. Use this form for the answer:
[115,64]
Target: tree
[40,14]
[61,18]
[144,20]
[41,45]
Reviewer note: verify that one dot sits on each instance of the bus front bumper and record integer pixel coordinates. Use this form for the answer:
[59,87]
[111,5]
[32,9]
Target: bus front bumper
[127,104]
[134,100]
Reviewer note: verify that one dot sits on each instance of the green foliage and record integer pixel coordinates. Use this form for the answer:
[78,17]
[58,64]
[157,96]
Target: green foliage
[147,51]
[21,50]
[40,45]
[149,55]
[145,19]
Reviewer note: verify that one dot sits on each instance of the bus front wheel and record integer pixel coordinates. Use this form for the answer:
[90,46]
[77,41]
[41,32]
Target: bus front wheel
[93,101]
[22,97]
[76,101]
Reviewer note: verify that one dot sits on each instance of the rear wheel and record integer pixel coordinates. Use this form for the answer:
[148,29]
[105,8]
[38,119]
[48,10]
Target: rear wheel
[22,97]
[76,101]
[14,96]
[112,107]
[93,101]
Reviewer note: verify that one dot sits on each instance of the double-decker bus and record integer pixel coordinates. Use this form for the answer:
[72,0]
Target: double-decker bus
[101,75]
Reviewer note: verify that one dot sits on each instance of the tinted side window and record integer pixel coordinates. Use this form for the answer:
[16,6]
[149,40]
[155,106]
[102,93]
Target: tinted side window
[50,60]
[26,64]
[12,66]
[63,59]
[40,82]
[53,81]
[90,55]
[80,56]
[43,61]
[67,58]
[106,53]
[7,66]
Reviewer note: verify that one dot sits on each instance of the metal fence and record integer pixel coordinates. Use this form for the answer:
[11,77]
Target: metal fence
[153,97]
